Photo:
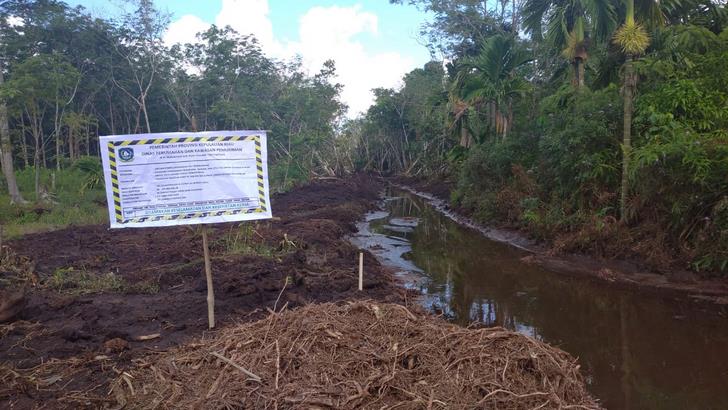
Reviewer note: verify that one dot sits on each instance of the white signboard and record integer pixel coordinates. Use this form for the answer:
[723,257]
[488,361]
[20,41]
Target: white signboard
[185,178]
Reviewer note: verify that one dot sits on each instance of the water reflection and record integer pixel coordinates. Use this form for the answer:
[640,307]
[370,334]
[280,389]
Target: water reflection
[638,351]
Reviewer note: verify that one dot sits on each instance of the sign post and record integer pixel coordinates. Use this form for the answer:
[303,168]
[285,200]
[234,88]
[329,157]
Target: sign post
[208,277]
[173,179]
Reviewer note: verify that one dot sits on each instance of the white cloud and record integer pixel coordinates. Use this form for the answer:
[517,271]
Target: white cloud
[184,30]
[245,16]
[329,33]
[324,33]
[249,17]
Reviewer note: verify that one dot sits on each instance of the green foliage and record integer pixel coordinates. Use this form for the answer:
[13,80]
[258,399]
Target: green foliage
[487,84]
[557,173]
[73,205]
[580,147]
[496,178]
[286,174]
[457,27]
[243,239]
[682,160]
[528,150]
[92,170]
[70,77]
[39,85]
[402,131]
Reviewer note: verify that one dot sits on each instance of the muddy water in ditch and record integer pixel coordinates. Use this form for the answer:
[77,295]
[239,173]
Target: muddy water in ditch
[637,351]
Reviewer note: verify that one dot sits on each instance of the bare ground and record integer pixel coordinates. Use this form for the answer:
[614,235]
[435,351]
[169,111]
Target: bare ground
[91,294]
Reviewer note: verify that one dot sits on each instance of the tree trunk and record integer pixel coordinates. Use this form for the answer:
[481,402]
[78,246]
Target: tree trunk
[510,119]
[71,145]
[464,136]
[58,152]
[111,114]
[36,165]
[88,142]
[579,73]
[629,88]
[146,116]
[43,151]
[77,145]
[6,152]
[578,81]
[24,149]
[57,131]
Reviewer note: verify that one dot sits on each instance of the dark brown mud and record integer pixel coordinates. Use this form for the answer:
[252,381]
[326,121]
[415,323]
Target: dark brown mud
[70,341]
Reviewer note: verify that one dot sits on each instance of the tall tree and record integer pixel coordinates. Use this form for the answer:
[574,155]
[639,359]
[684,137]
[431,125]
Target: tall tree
[6,149]
[570,26]
[490,81]
[39,85]
[633,40]
[142,48]
[458,27]
[6,146]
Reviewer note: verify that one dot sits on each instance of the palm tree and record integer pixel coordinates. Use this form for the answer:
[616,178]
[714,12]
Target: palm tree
[489,81]
[570,25]
[633,40]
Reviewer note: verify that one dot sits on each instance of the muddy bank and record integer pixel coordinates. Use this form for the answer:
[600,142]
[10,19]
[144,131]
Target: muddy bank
[93,295]
[623,273]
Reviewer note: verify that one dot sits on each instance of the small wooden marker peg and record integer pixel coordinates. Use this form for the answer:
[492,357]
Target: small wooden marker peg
[361,270]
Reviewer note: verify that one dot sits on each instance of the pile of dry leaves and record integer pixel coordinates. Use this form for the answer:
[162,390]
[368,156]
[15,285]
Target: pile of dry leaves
[357,355]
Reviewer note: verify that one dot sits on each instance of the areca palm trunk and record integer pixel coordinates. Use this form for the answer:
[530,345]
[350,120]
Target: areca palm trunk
[634,41]
[628,91]
[579,52]
[579,72]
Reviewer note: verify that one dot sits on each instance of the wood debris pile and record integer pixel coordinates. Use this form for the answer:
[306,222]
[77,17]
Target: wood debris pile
[358,355]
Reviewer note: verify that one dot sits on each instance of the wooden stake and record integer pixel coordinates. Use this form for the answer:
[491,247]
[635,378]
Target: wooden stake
[208,275]
[361,270]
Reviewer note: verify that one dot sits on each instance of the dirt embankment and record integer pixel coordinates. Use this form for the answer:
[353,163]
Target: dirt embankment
[92,295]
[622,273]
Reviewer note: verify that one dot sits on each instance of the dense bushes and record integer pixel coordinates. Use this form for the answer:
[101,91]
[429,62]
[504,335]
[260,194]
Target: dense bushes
[579,144]
[559,177]
[74,195]
[681,173]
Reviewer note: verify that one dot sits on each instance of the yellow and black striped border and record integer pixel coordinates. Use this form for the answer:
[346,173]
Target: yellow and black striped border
[262,207]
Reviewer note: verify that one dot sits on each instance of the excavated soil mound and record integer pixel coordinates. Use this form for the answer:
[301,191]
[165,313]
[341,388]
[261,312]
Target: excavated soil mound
[357,355]
[93,296]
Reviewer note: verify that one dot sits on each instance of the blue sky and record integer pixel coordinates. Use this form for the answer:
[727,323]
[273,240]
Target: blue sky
[373,43]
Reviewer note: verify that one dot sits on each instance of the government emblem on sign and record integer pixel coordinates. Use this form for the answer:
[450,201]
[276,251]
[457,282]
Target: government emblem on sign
[126,154]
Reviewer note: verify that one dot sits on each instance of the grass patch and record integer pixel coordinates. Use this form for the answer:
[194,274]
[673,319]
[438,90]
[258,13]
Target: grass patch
[147,287]
[81,282]
[243,239]
[70,280]
[15,269]
[75,202]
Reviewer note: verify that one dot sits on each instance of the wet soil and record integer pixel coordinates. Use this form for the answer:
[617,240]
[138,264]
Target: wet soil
[622,273]
[303,249]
